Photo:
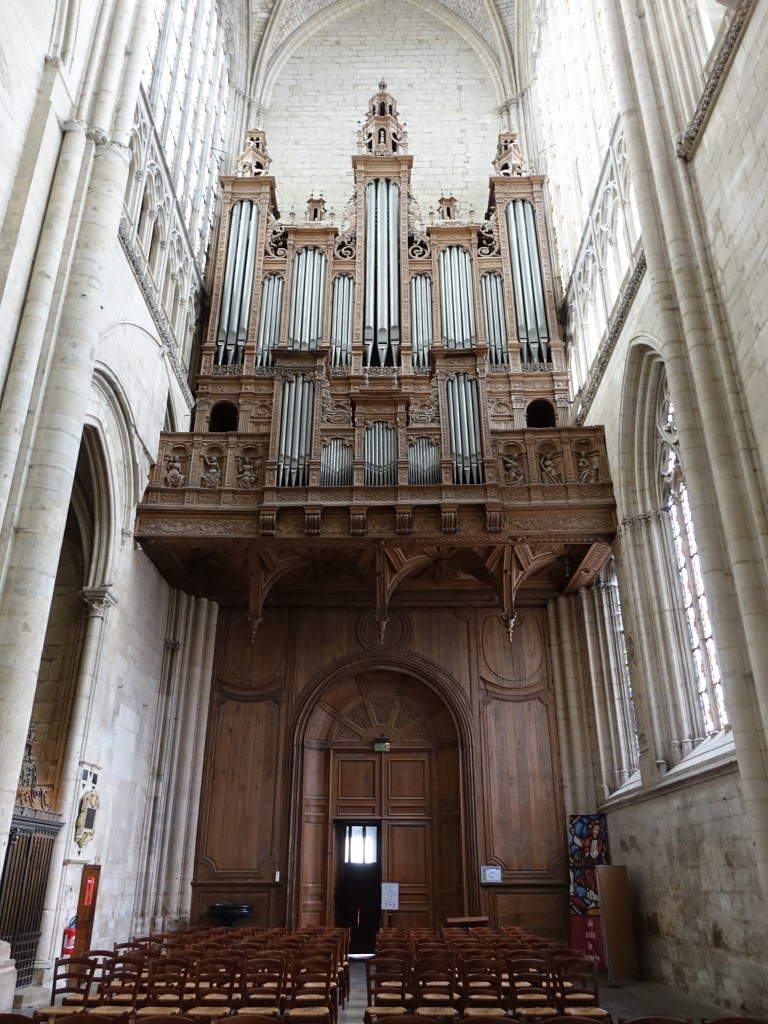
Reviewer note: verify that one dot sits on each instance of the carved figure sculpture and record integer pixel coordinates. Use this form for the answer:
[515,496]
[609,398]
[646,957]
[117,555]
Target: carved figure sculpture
[247,471]
[549,471]
[512,472]
[212,475]
[173,474]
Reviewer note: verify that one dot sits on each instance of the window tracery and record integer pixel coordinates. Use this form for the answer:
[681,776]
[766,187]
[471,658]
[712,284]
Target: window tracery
[709,685]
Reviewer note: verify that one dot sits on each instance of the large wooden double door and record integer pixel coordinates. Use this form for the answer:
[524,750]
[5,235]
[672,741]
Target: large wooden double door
[410,793]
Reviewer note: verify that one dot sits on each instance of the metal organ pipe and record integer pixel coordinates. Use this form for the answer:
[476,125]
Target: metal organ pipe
[295,445]
[457,306]
[532,331]
[269,325]
[336,463]
[421,319]
[238,283]
[341,325]
[305,325]
[495,319]
[380,453]
[382,273]
[464,427]
[424,462]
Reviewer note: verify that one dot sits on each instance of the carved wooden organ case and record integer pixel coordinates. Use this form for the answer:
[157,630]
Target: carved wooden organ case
[384,378]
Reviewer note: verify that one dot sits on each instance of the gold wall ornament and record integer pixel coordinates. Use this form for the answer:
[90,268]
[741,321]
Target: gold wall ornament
[85,826]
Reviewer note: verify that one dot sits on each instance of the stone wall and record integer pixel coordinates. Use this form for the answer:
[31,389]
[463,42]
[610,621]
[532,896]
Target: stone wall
[694,890]
[445,94]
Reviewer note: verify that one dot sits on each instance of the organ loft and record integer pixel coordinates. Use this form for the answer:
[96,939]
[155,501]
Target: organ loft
[383,494]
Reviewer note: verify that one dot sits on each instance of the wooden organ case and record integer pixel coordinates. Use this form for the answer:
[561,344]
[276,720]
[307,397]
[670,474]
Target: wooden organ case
[382,493]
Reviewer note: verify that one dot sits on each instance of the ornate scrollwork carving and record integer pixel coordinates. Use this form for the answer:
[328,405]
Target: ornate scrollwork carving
[333,412]
[277,238]
[487,237]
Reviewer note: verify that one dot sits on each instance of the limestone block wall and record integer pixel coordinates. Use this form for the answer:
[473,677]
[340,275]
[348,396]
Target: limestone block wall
[693,887]
[728,169]
[445,93]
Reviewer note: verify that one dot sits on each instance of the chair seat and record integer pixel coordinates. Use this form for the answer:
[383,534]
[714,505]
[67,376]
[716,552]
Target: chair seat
[485,1011]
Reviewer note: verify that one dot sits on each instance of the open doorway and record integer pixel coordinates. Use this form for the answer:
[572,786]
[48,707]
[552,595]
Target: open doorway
[358,882]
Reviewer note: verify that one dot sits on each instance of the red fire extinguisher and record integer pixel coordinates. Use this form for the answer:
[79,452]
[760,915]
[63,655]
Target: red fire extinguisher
[68,945]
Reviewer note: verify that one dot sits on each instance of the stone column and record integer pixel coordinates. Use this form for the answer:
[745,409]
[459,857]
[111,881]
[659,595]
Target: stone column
[574,725]
[64,873]
[43,506]
[171,828]
[720,473]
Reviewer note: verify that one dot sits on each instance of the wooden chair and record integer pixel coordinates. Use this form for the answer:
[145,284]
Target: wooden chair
[262,986]
[434,988]
[310,1000]
[214,989]
[121,990]
[387,982]
[16,1018]
[725,1020]
[531,994]
[577,991]
[480,987]
[166,993]
[654,1020]
[70,988]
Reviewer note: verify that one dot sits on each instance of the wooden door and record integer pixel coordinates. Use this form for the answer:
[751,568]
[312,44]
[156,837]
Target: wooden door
[86,907]
[412,790]
[396,789]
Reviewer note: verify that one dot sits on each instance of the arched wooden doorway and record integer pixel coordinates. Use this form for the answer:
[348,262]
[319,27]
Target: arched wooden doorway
[411,793]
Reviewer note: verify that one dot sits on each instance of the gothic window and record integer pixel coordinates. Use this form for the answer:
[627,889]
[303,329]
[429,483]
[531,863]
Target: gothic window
[186,80]
[709,685]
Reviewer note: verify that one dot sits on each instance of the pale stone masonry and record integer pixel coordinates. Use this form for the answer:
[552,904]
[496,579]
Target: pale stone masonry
[112,665]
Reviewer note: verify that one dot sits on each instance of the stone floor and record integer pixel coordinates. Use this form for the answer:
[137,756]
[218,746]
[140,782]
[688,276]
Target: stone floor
[624,1001]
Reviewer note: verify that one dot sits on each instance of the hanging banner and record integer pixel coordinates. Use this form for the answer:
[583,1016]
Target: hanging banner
[587,848]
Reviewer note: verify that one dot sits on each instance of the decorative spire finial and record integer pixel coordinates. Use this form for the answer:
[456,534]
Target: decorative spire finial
[382,134]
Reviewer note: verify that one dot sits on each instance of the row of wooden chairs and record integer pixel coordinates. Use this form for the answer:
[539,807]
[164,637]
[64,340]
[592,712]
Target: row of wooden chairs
[481,985]
[303,979]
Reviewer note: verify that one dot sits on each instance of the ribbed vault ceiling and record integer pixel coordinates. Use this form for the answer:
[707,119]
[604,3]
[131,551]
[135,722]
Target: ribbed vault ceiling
[275,22]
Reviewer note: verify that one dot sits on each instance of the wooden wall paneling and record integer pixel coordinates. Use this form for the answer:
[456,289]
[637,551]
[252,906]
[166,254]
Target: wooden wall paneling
[524,823]
[311,859]
[407,782]
[544,911]
[356,787]
[239,801]
[449,838]
[408,860]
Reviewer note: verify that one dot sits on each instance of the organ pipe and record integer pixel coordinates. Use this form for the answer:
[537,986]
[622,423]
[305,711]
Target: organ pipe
[305,326]
[457,305]
[238,283]
[336,463]
[421,319]
[295,446]
[341,326]
[269,325]
[464,428]
[424,462]
[532,331]
[495,320]
[380,454]
[381,333]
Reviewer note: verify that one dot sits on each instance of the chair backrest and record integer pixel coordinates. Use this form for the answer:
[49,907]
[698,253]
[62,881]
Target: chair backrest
[72,975]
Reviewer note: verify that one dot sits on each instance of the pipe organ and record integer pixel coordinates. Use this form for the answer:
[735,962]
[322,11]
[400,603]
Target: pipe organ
[334,326]
[381,332]
[381,480]
[238,281]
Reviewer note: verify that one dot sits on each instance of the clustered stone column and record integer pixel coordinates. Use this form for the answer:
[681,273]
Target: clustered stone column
[721,478]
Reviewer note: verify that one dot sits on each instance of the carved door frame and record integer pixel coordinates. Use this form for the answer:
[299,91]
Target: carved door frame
[435,682]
